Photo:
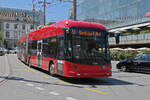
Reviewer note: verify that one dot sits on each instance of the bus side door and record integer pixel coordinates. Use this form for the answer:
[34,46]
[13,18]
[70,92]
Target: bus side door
[39,53]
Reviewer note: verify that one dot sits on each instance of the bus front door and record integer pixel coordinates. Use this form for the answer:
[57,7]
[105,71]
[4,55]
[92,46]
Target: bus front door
[39,53]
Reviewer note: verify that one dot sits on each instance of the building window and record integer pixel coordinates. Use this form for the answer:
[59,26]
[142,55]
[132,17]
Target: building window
[31,27]
[16,35]
[23,27]
[16,26]
[7,25]
[7,34]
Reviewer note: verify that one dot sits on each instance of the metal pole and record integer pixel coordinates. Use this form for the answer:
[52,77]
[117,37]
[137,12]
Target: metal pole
[33,9]
[74,9]
[33,17]
[44,5]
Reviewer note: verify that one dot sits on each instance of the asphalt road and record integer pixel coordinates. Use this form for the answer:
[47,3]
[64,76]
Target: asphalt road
[24,83]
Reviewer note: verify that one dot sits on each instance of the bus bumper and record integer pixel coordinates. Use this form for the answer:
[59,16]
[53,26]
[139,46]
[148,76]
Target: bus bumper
[88,75]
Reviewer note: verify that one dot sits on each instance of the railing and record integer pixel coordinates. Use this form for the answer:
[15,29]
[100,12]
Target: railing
[132,37]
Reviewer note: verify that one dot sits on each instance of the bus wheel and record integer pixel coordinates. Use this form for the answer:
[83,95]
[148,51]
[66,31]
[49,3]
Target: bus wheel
[29,62]
[51,69]
[123,68]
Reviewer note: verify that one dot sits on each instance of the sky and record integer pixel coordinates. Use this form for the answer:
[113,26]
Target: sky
[54,12]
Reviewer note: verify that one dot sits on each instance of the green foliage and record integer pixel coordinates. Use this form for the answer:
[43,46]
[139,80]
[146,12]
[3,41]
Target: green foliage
[145,31]
[146,51]
[0,37]
[121,55]
[135,32]
[126,34]
[5,42]
[51,23]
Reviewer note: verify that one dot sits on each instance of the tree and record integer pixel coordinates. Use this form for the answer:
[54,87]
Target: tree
[0,38]
[5,41]
[51,23]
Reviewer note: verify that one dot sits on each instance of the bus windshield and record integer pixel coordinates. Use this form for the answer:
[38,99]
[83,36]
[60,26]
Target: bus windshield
[88,46]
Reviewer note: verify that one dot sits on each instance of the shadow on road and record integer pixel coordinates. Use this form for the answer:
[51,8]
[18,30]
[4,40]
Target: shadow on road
[22,79]
[92,82]
[95,81]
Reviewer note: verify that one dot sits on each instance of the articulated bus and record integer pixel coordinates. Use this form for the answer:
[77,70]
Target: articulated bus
[68,48]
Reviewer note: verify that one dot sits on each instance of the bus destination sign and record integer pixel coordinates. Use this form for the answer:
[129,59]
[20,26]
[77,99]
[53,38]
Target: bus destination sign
[87,33]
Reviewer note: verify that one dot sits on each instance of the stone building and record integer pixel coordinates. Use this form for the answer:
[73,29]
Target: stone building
[16,22]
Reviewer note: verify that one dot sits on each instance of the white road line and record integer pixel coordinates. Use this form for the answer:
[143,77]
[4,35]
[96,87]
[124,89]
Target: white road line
[29,84]
[54,93]
[21,81]
[70,98]
[39,88]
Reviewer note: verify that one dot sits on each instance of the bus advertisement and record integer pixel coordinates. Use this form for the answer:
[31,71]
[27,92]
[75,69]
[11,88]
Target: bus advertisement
[68,48]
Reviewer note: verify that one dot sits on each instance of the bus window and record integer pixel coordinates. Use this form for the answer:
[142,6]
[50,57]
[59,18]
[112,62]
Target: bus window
[60,51]
[45,49]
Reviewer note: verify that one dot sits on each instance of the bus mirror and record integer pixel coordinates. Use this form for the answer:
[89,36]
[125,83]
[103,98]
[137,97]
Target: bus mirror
[66,30]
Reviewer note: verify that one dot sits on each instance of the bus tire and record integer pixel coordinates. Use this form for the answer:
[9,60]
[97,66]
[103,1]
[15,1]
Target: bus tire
[51,69]
[123,68]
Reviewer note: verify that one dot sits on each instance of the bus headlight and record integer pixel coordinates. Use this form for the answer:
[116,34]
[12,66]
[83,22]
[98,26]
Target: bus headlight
[60,64]
[60,61]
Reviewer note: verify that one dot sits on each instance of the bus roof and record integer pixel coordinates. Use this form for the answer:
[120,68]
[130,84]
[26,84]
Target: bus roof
[71,23]
[44,32]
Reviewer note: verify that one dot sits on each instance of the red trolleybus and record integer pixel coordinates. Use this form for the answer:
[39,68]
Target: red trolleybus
[68,48]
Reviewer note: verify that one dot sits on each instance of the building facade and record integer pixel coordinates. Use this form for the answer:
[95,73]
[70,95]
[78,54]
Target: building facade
[16,22]
[111,11]
[129,20]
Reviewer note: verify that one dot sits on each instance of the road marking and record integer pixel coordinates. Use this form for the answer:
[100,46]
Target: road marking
[70,98]
[54,93]
[29,84]
[31,70]
[12,54]
[39,88]
[44,76]
[66,83]
[21,81]
[96,91]
[19,69]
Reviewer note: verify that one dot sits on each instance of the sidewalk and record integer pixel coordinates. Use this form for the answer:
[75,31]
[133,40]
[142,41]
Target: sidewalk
[4,68]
